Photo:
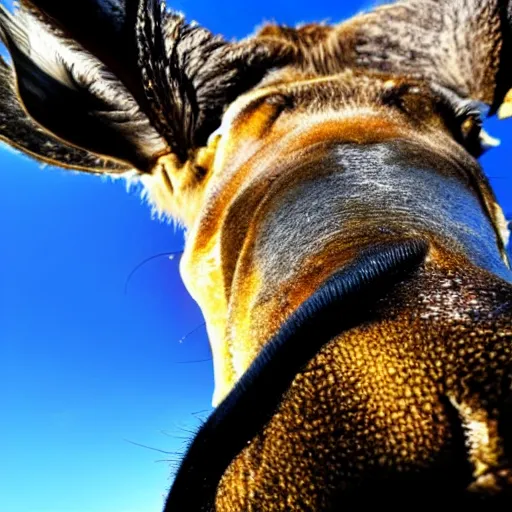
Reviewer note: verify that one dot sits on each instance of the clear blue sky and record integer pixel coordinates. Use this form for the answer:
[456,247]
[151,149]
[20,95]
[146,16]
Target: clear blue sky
[86,368]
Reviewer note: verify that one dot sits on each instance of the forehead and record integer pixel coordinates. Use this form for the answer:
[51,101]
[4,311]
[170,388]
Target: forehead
[376,92]
[291,110]
[275,127]
[352,107]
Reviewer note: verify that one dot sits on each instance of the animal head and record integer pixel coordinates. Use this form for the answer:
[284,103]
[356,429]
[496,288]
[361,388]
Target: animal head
[346,250]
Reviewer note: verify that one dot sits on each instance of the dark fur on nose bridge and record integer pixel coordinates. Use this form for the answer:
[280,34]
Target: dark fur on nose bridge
[310,119]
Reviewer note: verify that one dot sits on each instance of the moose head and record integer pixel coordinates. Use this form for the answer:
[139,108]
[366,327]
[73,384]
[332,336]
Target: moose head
[346,249]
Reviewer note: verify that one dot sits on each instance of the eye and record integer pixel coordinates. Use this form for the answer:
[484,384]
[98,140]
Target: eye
[259,115]
[464,119]
[471,134]
[469,127]
[411,99]
[273,105]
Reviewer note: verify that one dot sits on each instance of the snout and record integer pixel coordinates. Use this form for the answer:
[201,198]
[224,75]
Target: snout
[409,408]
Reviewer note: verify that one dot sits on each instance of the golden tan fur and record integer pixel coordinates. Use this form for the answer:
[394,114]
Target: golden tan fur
[286,157]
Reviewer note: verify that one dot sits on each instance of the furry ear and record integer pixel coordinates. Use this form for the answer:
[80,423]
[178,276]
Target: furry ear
[72,94]
[20,131]
[105,28]
[135,84]
[463,46]
[191,76]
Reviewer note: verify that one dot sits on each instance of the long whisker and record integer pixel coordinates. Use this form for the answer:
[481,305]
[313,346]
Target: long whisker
[170,255]
[193,361]
[151,448]
[194,330]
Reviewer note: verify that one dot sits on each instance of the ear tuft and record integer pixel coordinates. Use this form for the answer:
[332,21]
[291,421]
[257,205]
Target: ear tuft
[20,131]
[73,95]
[190,76]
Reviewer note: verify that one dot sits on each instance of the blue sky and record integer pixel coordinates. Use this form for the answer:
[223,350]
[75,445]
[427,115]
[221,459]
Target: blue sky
[87,369]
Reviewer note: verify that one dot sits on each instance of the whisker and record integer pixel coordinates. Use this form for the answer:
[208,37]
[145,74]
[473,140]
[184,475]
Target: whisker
[194,361]
[151,448]
[170,255]
[195,329]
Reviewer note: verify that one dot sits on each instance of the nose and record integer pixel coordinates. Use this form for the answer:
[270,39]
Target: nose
[478,384]
[472,358]
[487,434]
[494,483]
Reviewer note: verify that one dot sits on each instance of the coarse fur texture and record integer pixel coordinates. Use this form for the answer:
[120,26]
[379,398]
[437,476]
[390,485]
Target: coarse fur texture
[345,247]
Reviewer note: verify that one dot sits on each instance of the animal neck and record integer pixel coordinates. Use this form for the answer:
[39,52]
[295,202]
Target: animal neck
[278,240]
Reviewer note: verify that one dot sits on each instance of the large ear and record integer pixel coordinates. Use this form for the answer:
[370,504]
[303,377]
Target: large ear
[128,81]
[463,46]
[20,131]
[71,94]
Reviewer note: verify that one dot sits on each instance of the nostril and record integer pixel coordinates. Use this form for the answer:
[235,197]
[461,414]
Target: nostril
[488,443]
[505,417]
[459,448]
[494,482]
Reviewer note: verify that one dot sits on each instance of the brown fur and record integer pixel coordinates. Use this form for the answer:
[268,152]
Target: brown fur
[393,388]
[414,400]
